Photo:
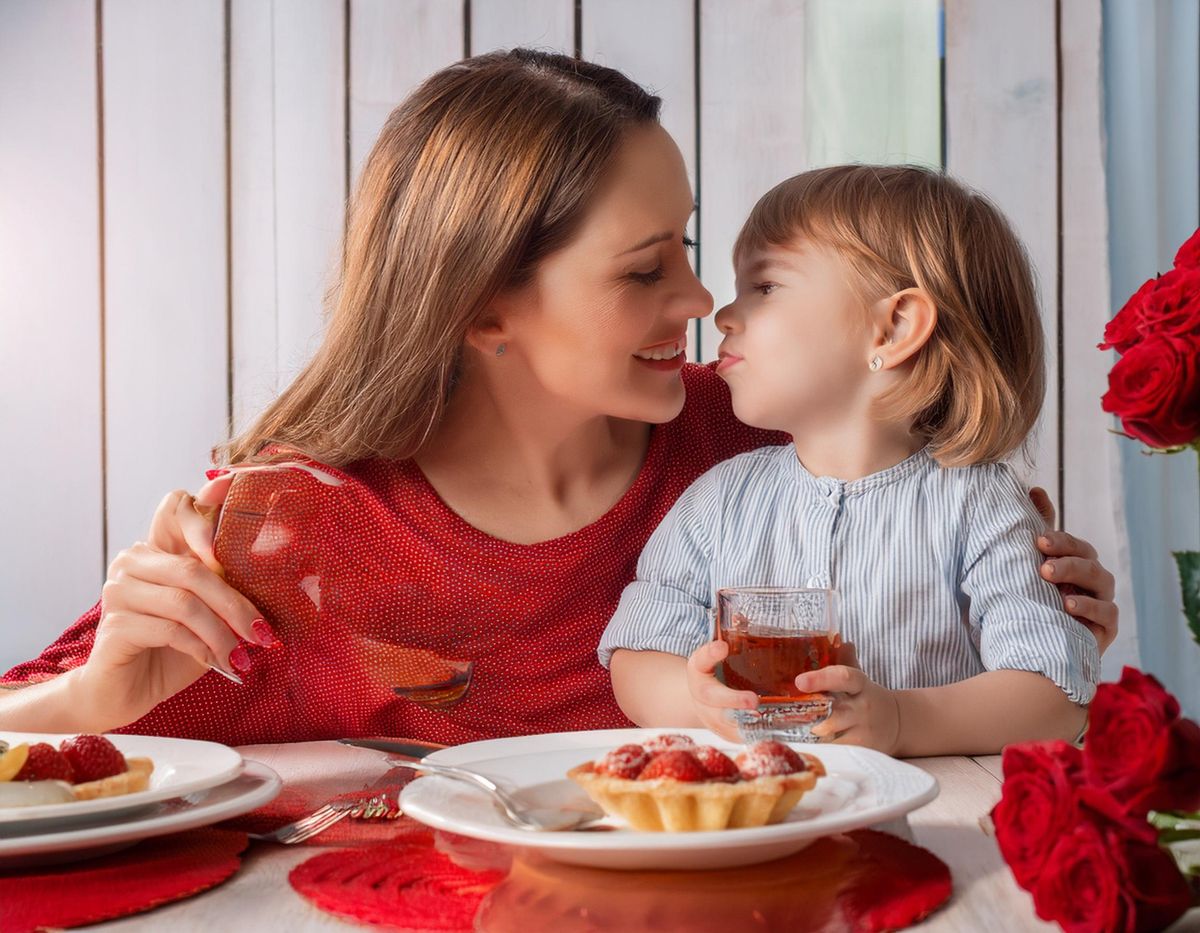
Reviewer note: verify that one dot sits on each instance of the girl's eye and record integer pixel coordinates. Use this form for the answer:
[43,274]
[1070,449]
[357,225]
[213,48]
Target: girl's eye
[689,243]
[765,288]
[648,278]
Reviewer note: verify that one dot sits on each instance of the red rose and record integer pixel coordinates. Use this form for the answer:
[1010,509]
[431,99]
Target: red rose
[1037,804]
[1140,749]
[1125,329]
[1173,306]
[1189,254]
[1105,876]
[1155,390]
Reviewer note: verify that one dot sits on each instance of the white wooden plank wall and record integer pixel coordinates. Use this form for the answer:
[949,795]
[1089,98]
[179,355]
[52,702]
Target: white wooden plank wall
[165,286]
[232,131]
[287,136]
[50,323]
[1001,120]
[1091,457]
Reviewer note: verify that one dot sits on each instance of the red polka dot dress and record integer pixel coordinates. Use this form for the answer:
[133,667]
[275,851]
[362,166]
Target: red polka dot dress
[397,617]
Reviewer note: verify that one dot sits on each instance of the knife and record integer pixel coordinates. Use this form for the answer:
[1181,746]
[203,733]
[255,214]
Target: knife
[410,748]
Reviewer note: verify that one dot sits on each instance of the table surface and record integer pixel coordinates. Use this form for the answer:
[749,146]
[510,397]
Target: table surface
[954,827]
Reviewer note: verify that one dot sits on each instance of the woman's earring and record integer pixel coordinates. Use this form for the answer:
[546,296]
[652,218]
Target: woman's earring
[876,364]
[500,350]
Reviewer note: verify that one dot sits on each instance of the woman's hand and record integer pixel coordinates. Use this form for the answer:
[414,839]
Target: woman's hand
[864,713]
[1087,588]
[167,613]
[712,700]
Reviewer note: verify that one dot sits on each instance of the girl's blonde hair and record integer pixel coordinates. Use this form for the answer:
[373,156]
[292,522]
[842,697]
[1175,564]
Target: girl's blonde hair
[479,174]
[976,388]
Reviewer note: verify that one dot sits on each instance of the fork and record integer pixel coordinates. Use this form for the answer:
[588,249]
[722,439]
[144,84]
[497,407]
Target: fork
[324,817]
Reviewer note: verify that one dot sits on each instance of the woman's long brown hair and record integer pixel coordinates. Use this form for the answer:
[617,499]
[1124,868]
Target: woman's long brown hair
[480,173]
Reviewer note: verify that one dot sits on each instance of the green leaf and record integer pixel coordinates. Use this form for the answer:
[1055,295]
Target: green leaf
[1189,581]
[1174,819]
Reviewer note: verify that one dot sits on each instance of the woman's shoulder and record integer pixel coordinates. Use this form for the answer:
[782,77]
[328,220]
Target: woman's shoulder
[707,425]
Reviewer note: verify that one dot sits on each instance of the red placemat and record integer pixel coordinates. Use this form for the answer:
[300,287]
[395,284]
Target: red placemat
[154,872]
[864,880]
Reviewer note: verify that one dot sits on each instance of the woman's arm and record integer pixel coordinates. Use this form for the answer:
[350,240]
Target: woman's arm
[166,616]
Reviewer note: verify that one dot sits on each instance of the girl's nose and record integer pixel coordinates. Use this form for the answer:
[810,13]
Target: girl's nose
[726,319]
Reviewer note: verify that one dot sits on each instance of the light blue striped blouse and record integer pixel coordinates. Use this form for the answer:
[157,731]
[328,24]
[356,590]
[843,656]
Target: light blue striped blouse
[936,568]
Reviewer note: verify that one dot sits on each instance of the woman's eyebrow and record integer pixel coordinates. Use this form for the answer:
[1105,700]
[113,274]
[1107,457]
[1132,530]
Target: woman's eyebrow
[656,238]
[649,241]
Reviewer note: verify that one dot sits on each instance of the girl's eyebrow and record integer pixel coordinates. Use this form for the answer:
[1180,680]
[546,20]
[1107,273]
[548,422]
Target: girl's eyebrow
[771,262]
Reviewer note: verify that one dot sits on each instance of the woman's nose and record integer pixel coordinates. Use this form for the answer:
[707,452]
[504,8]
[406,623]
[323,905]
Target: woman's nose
[699,300]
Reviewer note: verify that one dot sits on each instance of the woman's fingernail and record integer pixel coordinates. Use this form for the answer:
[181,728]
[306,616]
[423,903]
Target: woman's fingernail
[1048,568]
[1072,604]
[228,675]
[216,474]
[263,634]
[1044,541]
[239,659]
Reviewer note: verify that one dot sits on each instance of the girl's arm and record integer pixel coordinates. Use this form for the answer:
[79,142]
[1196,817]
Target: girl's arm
[977,716]
[655,688]
[982,714]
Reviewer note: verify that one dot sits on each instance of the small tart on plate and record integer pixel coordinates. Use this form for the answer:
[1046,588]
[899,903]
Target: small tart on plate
[671,784]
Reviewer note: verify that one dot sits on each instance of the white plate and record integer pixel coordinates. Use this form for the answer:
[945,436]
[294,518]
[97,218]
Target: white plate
[181,766]
[863,787]
[254,787]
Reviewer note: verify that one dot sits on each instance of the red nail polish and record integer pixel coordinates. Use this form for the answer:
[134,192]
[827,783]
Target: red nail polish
[263,634]
[215,474]
[239,659]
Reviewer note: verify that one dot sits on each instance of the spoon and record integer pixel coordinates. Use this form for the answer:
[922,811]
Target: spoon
[577,813]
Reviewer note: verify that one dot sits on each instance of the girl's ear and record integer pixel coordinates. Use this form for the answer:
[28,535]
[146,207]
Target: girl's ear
[903,324]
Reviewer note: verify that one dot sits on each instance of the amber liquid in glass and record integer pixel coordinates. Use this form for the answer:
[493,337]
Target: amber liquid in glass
[769,664]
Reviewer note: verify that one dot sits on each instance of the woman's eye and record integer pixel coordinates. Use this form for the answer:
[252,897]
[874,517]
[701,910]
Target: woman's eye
[765,288]
[689,243]
[648,278]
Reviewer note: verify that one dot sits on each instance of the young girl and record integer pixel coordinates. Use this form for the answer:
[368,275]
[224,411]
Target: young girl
[886,318]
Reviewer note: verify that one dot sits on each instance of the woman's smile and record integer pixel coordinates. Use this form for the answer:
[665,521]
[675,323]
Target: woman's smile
[666,356]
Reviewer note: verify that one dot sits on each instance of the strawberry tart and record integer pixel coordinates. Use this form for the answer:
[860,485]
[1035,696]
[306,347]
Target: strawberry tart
[83,767]
[670,783]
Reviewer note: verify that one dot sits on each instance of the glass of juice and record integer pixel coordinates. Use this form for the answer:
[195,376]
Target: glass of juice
[775,634]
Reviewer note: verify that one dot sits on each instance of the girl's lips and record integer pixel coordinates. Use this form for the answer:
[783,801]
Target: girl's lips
[727,360]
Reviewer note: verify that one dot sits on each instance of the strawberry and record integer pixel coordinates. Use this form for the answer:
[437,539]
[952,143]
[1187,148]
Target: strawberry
[93,757]
[769,757]
[668,742]
[45,763]
[717,764]
[677,765]
[624,762]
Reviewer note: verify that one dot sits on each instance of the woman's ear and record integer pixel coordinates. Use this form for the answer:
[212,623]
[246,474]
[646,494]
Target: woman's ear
[488,334]
[903,324]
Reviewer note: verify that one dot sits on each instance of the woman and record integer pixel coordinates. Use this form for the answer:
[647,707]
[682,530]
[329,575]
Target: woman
[503,415]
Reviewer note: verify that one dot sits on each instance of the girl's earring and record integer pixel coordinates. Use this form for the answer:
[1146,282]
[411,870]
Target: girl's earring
[876,364]
[500,349]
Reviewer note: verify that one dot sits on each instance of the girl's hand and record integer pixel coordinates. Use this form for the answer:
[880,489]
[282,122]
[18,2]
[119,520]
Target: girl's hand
[864,713]
[1087,588]
[711,698]
[167,614]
